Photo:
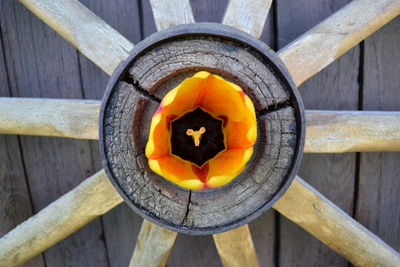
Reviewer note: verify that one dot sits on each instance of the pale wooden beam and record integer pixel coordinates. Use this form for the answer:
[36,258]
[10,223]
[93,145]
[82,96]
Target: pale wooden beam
[171,13]
[236,248]
[327,131]
[49,117]
[153,246]
[247,15]
[306,207]
[92,36]
[352,131]
[320,46]
[92,198]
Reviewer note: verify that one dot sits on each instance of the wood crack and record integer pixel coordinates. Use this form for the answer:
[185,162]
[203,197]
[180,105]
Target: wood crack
[187,208]
[143,92]
[272,108]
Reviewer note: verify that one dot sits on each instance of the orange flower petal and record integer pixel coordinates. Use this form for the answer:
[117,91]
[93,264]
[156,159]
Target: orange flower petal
[177,171]
[242,134]
[184,97]
[158,144]
[226,166]
[222,98]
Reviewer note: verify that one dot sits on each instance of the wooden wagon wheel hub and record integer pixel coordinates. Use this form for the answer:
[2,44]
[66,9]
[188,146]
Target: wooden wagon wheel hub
[156,66]
[153,68]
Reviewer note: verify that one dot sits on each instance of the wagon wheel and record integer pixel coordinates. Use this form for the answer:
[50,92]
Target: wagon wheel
[327,131]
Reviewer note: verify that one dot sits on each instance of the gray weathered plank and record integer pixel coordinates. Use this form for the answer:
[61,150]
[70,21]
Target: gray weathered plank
[247,15]
[378,201]
[41,64]
[15,200]
[83,29]
[335,87]
[121,225]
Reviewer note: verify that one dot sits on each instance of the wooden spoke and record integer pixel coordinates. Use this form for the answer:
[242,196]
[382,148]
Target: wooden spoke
[153,246]
[95,196]
[352,131]
[247,15]
[171,13]
[306,207]
[49,117]
[330,39]
[83,29]
[236,248]
[92,198]
[327,131]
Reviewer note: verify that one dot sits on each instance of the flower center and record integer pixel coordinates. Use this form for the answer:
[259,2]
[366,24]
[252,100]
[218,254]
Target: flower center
[196,135]
[201,129]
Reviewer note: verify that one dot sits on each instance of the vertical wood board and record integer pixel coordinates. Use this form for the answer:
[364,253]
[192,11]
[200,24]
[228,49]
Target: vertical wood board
[336,87]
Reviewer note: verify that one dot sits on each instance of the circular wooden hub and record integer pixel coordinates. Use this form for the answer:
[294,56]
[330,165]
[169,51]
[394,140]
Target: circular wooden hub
[157,65]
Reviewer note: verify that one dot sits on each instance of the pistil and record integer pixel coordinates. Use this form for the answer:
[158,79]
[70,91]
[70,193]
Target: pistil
[196,135]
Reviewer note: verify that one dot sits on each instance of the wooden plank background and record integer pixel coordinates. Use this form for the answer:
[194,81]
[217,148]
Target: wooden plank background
[34,171]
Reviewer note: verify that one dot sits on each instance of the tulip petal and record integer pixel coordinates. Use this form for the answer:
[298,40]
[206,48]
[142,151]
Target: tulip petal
[184,97]
[158,144]
[242,134]
[176,170]
[222,98]
[226,166]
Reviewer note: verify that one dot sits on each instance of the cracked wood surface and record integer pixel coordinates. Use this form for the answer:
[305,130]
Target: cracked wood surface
[320,46]
[161,67]
[92,198]
[83,29]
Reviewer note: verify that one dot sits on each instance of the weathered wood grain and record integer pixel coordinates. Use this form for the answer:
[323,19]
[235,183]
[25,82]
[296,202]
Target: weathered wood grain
[153,246]
[41,64]
[334,88]
[236,248]
[49,117]
[330,39]
[15,199]
[247,15]
[171,13]
[306,207]
[378,201]
[178,63]
[92,198]
[121,225]
[327,131]
[83,29]
[95,196]
[352,131]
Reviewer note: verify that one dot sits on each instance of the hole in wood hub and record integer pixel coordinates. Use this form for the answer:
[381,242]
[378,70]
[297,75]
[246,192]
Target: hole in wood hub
[135,93]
